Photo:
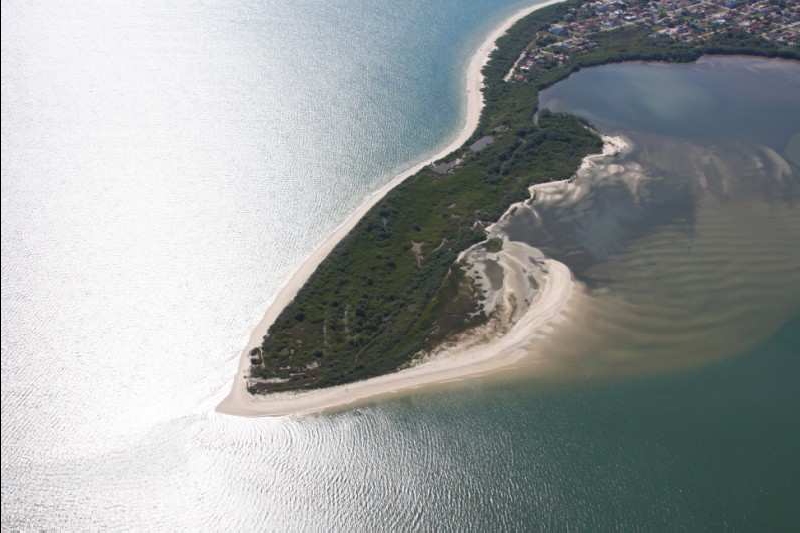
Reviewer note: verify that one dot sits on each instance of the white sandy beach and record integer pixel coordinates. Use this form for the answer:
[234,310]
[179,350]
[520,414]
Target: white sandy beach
[549,303]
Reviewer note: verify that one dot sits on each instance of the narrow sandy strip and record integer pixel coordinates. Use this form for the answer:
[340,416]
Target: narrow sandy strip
[239,401]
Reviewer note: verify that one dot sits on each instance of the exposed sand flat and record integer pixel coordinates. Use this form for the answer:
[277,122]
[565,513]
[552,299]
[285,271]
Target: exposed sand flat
[240,402]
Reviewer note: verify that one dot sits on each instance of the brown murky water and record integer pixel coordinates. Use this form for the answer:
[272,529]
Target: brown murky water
[687,244]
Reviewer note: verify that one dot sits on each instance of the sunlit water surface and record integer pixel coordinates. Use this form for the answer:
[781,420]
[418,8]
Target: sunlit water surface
[163,169]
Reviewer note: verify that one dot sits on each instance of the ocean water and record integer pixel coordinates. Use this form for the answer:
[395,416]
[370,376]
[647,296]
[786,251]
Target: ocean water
[163,170]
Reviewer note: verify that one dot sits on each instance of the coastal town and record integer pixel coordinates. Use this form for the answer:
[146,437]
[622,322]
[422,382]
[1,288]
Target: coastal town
[684,21]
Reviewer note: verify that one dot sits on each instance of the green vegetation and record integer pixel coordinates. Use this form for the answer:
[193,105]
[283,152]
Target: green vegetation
[494,245]
[392,287]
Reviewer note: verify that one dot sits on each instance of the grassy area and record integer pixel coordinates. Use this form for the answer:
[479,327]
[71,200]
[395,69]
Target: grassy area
[392,288]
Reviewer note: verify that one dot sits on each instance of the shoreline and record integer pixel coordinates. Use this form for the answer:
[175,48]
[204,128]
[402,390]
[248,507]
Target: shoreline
[242,403]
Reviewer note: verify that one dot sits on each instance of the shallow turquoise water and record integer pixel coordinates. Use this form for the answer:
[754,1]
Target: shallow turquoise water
[165,168]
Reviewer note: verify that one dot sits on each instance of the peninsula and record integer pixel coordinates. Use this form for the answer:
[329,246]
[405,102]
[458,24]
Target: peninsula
[383,303]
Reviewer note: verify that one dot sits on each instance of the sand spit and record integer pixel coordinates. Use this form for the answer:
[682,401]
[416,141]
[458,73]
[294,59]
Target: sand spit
[240,402]
[450,364]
